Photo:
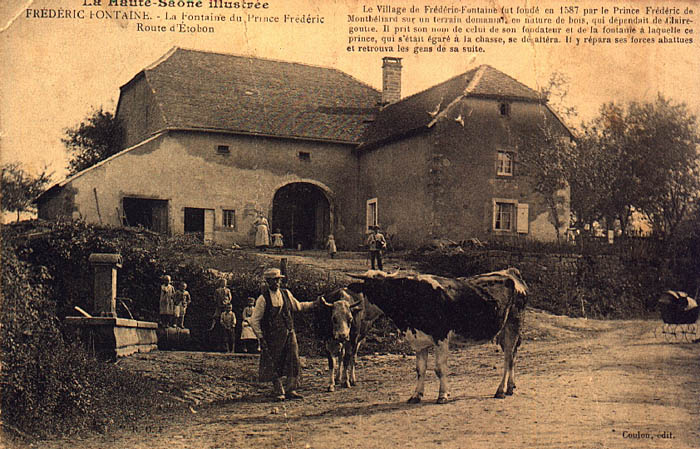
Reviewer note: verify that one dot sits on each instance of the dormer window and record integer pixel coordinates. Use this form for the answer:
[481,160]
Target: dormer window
[504,109]
[223,149]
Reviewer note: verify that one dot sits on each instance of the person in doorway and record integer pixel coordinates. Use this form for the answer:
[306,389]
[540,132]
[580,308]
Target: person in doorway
[167,305]
[277,240]
[228,323]
[273,323]
[262,233]
[376,243]
[248,338]
[330,245]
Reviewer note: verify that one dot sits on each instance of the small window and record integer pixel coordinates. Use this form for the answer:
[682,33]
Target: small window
[504,164]
[504,216]
[504,109]
[372,213]
[304,156]
[223,149]
[229,218]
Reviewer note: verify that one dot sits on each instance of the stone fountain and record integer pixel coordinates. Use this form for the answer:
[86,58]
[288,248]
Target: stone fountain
[105,334]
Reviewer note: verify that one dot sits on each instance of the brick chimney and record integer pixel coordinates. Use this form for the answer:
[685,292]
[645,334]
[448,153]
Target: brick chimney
[391,80]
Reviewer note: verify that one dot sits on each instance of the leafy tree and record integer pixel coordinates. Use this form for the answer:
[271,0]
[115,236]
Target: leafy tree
[666,137]
[642,156]
[19,188]
[606,187]
[545,158]
[96,138]
[556,92]
[546,151]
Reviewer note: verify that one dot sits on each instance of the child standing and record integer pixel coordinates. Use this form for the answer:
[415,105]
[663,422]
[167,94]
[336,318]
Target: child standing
[248,337]
[228,323]
[222,297]
[182,300]
[331,246]
[167,306]
[277,242]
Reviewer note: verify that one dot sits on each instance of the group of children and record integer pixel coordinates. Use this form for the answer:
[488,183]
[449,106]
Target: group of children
[226,318]
[173,303]
[278,243]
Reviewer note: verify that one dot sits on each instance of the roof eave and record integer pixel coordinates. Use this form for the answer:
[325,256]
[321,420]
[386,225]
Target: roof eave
[256,134]
[61,184]
[367,146]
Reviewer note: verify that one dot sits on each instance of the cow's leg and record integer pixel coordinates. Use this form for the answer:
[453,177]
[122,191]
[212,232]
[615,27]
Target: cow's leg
[342,377]
[421,366]
[353,359]
[441,352]
[339,355]
[507,340]
[511,374]
[345,365]
[331,365]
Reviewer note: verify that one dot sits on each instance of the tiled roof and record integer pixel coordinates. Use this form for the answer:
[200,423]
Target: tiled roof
[416,112]
[202,90]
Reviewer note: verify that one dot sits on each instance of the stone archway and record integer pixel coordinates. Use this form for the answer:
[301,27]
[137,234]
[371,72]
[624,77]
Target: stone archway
[302,212]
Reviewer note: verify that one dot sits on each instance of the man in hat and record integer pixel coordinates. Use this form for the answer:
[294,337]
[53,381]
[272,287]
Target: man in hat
[376,243]
[272,322]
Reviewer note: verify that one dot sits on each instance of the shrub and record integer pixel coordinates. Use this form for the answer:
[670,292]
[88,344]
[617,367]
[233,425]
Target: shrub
[50,385]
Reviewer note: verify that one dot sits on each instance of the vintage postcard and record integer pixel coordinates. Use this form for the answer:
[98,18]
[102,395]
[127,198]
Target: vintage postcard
[340,132]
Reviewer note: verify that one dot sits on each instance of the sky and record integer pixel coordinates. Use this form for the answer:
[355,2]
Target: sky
[54,72]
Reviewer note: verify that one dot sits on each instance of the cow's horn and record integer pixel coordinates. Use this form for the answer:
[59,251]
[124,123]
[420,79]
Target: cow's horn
[324,302]
[356,304]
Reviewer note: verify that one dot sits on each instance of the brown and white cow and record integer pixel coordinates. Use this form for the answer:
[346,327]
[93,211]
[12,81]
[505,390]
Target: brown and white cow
[429,309]
[343,322]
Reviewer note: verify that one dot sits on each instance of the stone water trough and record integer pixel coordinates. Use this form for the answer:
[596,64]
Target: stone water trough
[105,334]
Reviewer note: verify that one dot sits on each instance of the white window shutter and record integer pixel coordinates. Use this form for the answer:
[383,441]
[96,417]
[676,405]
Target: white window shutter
[523,222]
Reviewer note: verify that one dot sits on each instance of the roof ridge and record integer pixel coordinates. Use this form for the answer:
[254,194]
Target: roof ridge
[433,86]
[512,79]
[160,60]
[315,66]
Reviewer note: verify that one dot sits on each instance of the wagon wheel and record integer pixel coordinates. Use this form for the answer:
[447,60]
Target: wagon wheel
[670,332]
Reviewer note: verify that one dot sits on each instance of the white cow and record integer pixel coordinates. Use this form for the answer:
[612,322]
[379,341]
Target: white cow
[429,309]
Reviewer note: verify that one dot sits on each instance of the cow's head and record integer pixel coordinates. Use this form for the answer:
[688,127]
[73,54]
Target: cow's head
[342,304]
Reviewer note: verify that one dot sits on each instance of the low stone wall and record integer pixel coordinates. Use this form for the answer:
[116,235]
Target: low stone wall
[600,286]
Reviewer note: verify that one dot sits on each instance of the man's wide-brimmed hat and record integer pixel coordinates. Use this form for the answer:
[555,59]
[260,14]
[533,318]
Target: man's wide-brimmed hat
[273,273]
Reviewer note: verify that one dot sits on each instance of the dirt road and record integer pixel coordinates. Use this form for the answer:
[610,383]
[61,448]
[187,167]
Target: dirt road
[581,384]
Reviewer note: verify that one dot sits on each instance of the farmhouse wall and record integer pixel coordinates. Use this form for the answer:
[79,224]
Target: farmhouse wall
[397,175]
[465,182]
[185,169]
[442,182]
[144,116]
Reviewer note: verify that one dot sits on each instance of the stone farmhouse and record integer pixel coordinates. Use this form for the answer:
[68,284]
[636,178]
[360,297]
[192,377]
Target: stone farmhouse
[211,140]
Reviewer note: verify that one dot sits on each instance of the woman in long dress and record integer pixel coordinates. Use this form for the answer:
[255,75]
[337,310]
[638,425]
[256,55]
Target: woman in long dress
[262,233]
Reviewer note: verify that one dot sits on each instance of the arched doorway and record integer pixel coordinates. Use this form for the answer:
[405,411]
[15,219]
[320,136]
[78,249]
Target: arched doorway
[302,213]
